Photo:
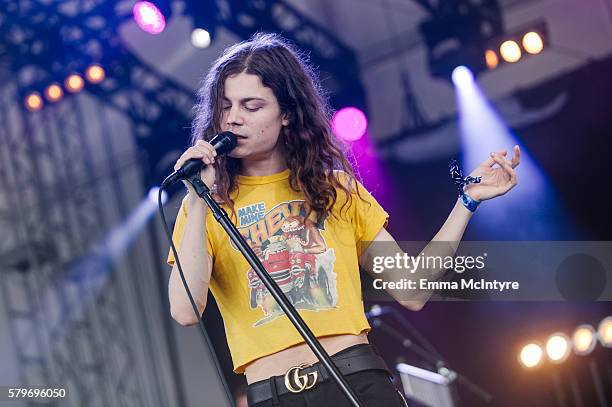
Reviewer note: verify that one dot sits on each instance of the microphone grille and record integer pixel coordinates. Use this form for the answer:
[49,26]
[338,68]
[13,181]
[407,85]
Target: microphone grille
[224,142]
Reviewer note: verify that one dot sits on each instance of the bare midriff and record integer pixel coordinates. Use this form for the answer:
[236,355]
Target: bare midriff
[278,363]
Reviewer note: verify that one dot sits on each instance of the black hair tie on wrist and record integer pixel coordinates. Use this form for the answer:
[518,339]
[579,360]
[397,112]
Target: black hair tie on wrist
[457,176]
[460,182]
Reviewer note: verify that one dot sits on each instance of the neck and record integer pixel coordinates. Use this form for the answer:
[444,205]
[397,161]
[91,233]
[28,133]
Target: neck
[257,167]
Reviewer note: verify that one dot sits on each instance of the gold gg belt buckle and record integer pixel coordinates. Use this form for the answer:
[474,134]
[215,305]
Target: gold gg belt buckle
[297,382]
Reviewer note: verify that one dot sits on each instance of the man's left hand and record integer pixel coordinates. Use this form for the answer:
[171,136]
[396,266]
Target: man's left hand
[496,180]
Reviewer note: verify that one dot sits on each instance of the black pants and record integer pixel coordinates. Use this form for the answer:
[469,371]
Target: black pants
[374,388]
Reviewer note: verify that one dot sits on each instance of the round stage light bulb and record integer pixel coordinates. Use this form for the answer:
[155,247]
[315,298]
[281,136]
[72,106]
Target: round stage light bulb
[95,74]
[148,17]
[510,51]
[558,347]
[349,123]
[604,332]
[33,102]
[54,92]
[491,59]
[462,76]
[584,339]
[531,355]
[200,38]
[532,43]
[74,83]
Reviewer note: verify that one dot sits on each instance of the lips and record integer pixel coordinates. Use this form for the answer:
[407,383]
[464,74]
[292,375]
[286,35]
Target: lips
[240,139]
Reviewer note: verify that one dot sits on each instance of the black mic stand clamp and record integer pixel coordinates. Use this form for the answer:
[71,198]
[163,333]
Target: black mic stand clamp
[221,216]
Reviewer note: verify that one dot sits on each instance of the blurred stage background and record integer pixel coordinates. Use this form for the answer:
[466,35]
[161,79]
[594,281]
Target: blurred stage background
[95,108]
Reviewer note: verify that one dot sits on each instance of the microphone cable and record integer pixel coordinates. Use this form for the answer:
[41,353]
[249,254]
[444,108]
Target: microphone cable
[191,300]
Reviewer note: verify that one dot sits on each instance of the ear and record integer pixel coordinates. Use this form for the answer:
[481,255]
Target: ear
[285,120]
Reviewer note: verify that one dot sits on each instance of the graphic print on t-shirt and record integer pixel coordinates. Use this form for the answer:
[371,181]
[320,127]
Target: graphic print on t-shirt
[294,253]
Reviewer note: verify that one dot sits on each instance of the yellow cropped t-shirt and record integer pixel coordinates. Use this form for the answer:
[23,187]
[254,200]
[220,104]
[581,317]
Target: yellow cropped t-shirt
[314,263]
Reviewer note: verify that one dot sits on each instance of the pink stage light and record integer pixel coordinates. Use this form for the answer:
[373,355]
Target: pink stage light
[148,17]
[349,123]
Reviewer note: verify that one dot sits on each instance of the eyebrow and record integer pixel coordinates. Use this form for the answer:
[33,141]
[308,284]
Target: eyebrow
[245,100]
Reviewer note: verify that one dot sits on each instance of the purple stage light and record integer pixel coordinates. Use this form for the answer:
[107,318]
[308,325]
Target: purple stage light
[349,123]
[148,17]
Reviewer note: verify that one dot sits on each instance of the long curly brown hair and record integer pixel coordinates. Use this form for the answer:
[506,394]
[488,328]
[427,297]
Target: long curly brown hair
[313,153]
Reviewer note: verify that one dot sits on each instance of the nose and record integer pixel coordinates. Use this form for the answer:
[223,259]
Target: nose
[234,118]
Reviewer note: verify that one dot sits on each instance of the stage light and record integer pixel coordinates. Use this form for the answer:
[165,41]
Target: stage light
[491,59]
[205,15]
[533,43]
[148,17]
[458,36]
[584,339]
[54,92]
[95,267]
[510,51]
[200,38]
[349,123]
[531,355]
[95,74]
[33,102]
[604,332]
[153,193]
[462,76]
[558,347]
[74,83]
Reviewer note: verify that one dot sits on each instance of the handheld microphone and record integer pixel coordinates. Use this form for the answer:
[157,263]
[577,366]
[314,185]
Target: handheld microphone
[223,143]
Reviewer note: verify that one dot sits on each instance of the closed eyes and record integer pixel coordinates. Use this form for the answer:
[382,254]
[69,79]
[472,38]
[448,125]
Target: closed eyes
[249,109]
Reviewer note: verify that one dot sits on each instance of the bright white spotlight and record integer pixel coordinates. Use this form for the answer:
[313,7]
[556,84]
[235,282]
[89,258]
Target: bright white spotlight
[532,43]
[510,51]
[483,130]
[558,347]
[531,355]
[93,270]
[584,339]
[152,195]
[604,332]
[376,311]
[462,76]
[200,38]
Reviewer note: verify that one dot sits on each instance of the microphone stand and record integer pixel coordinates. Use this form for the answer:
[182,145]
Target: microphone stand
[221,216]
[428,355]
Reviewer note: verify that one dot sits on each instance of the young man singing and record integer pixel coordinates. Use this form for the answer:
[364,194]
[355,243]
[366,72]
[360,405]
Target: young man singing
[294,197]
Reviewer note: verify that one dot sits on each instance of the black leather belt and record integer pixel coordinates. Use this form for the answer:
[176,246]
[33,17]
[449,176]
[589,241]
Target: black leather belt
[354,359]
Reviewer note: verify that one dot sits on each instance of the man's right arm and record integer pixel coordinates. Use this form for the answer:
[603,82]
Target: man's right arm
[196,263]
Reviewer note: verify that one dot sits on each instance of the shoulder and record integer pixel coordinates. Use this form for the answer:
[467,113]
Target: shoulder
[351,194]
[346,180]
